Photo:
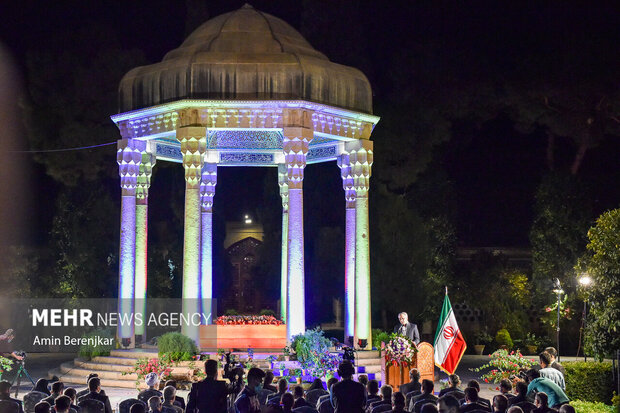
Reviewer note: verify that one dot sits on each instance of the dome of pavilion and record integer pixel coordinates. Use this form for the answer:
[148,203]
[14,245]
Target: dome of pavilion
[245,55]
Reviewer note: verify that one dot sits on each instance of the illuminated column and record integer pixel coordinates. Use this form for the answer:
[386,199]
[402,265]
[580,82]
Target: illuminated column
[283,183]
[360,158]
[207,192]
[193,145]
[349,248]
[142,201]
[128,156]
[295,146]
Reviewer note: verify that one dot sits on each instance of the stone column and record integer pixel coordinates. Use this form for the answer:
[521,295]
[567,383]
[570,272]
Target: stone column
[207,192]
[349,248]
[142,201]
[295,146]
[129,157]
[283,183]
[193,145]
[361,157]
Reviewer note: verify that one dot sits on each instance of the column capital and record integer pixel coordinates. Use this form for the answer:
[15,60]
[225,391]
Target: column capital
[348,182]
[144,177]
[360,158]
[207,186]
[283,184]
[193,146]
[129,156]
[295,146]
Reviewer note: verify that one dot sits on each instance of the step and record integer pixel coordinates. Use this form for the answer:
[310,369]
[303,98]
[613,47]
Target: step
[70,368]
[368,369]
[114,360]
[95,366]
[69,378]
[134,353]
[368,362]
[368,354]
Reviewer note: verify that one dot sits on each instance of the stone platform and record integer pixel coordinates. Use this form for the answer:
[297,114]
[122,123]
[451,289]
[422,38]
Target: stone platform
[110,368]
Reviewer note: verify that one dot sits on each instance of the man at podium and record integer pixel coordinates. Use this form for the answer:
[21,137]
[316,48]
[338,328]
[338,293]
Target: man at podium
[407,329]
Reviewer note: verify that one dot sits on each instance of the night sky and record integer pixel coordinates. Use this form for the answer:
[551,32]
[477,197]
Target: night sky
[494,168]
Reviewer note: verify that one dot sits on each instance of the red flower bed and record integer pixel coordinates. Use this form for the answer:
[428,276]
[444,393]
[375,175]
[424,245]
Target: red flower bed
[247,319]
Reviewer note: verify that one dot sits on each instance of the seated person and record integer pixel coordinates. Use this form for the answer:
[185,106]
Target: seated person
[281,389]
[298,395]
[324,404]
[521,396]
[178,400]
[449,404]
[151,380]
[42,407]
[268,383]
[169,396]
[62,404]
[398,402]
[155,405]
[567,408]
[454,381]
[471,401]
[427,396]
[373,392]
[94,385]
[500,403]
[315,391]
[386,399]
[541,401]
[505,388]
[515,409]
[57,389]
[476,385]
[414,383]
[5,390]
[71,393]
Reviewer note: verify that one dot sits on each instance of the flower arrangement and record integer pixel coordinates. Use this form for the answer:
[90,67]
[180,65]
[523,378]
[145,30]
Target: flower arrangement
[312,350]
[400,350]
[247,319]
[5,365]
[162,366]
[504,365]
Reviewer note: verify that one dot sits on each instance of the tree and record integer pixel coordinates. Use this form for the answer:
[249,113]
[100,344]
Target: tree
[563,214]
[602,263]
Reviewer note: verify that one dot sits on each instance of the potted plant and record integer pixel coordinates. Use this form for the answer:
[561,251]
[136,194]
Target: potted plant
[532,343]
[482,339]
[503,340]
[297,374]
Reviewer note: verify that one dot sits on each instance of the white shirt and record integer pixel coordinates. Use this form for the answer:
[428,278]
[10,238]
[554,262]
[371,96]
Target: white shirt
[554,375]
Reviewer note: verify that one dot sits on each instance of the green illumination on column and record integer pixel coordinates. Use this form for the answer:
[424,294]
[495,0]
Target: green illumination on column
[282,182]
[361,158]
[142,208]
[141,263]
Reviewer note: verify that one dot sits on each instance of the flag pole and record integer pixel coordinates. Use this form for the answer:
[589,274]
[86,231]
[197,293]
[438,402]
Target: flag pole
[446,290]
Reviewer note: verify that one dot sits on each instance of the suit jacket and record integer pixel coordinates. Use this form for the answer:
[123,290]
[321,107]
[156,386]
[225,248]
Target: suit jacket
[473,406]
[98,396]
[411,332]
[409,387]
[348,396]
[208,395]
[418,401]
[20,407]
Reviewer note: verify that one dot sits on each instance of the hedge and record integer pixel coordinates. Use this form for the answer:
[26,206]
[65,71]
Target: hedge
[177,346]
[90,351]
[589,381]
[588,407]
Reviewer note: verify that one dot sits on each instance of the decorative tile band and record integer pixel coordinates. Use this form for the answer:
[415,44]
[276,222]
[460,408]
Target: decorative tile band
[169,151]
[246,158]
[321,153]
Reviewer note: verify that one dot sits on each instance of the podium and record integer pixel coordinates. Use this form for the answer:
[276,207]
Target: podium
[424,361]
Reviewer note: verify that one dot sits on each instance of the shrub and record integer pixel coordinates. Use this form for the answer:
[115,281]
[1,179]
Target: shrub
[177,346]
[502,338]
[266,311]
[312,350]
[379,336]
[589,381]
[90,351]
[503,365]
[589,407]
[231,311]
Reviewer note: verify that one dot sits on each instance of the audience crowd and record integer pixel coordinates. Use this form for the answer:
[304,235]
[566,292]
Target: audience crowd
[537,390]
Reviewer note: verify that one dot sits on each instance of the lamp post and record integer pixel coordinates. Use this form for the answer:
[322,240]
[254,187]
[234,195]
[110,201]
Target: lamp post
[585,281]
[559,291]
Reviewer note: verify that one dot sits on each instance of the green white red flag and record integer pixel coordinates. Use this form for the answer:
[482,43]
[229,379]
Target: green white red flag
[449,343]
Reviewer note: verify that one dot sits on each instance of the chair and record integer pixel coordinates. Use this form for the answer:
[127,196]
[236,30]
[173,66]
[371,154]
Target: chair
[527,407]
[91,406]
[125,405]
[8,406]
[31,399]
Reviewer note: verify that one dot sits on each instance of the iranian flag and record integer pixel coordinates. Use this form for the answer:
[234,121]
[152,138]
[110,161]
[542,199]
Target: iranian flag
[449,343]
